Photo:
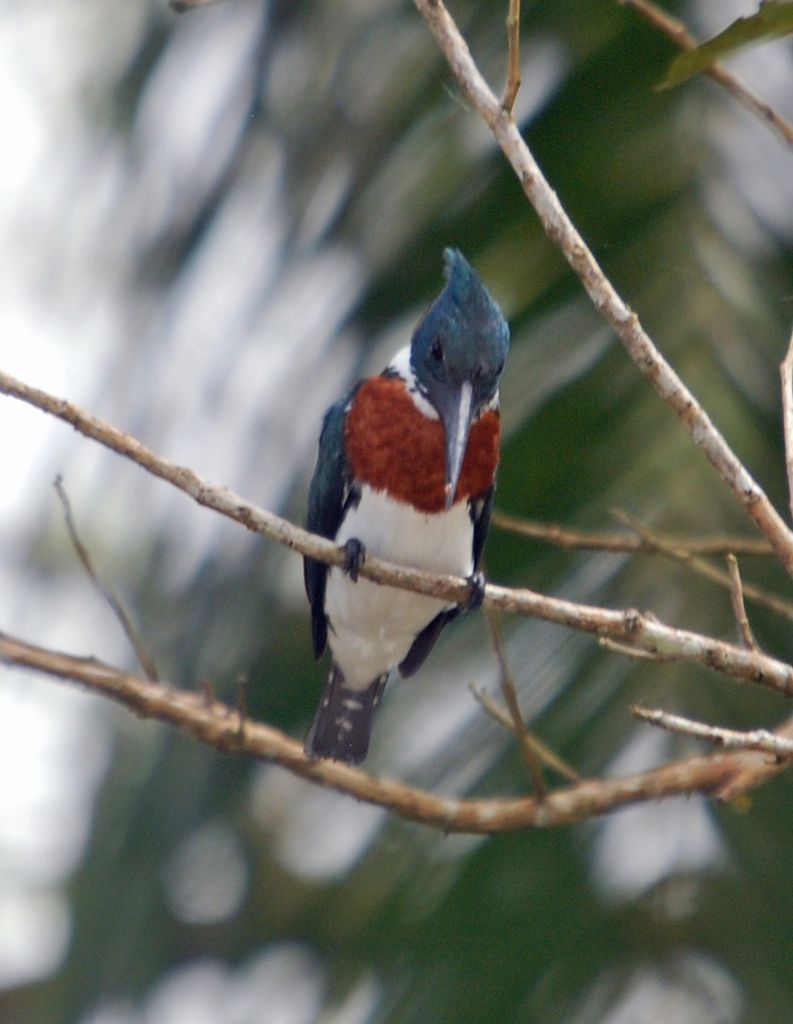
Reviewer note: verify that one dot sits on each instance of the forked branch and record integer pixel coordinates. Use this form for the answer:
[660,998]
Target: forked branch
[626,542]
[603,295]
[222,727]
[762,740]
[675,30]
[226,729]
[628,627]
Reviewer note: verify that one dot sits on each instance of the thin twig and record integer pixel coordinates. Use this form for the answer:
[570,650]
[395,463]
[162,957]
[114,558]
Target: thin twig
[641,631]
[733,739]
[628,543]
[786,373]
[544,753]
[738,607]
[645,541]
[679,34]
[217,725]
[602,293]
[510,694]
[145,660]
[752,770]
[513,56]
[631,652]
[704,568]
[492,707]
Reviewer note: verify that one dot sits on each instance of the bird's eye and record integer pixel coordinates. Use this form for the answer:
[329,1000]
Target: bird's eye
[436,350]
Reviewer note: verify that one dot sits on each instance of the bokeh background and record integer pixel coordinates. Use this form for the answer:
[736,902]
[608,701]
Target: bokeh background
[210,225]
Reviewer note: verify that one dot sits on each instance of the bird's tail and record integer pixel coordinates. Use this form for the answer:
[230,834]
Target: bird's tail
[342,725]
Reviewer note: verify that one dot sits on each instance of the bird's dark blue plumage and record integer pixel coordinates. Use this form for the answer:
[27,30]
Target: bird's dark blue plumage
[331,487]
[405,470]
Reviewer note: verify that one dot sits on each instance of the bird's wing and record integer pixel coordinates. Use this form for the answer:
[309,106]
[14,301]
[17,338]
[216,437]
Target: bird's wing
[481,510]
[327,498]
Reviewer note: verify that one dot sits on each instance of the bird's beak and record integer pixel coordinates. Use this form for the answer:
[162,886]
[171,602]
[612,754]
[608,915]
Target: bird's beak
[456,415]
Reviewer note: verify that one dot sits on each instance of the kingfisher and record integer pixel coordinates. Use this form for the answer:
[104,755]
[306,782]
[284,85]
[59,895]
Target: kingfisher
[405,471]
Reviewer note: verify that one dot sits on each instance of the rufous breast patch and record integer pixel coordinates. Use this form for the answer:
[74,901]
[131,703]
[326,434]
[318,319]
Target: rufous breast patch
[392,446]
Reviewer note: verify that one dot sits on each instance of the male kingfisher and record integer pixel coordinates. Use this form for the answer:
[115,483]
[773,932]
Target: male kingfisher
[406,471]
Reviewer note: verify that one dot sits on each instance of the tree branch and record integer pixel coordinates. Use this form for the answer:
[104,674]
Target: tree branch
[642,540]
[145,660]
[679,34]
[510,694]
[738,607]
[637,343]
[705,568]
[757,739]
[628,543]
[513,56]
[544,753]
[216,724]
[628,626]
[221,727]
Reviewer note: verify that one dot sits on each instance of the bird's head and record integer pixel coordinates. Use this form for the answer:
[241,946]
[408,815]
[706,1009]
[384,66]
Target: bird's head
[457,355]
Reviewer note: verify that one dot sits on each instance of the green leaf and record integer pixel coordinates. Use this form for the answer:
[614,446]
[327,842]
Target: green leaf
[774,19]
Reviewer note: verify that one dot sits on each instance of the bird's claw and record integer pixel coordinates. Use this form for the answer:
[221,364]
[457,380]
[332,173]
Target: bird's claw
[476,592]
[354,557]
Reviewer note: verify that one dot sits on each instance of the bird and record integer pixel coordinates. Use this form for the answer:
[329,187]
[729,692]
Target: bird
[406,472]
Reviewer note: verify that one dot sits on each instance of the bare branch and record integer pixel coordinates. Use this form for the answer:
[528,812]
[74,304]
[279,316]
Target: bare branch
[752,770]
[218,725]
[627,626]
[629,543]
[733,739]
[510,695]
[703,567]
[678,33]
[513,56]
[739,610]
[145,660]
[637,343]
[544,753]
[628,651]
[786,372]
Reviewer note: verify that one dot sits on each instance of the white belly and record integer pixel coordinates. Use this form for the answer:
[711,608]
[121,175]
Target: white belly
[373,627]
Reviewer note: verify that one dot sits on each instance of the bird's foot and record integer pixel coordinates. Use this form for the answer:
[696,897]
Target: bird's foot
[476,593]
[354,557]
